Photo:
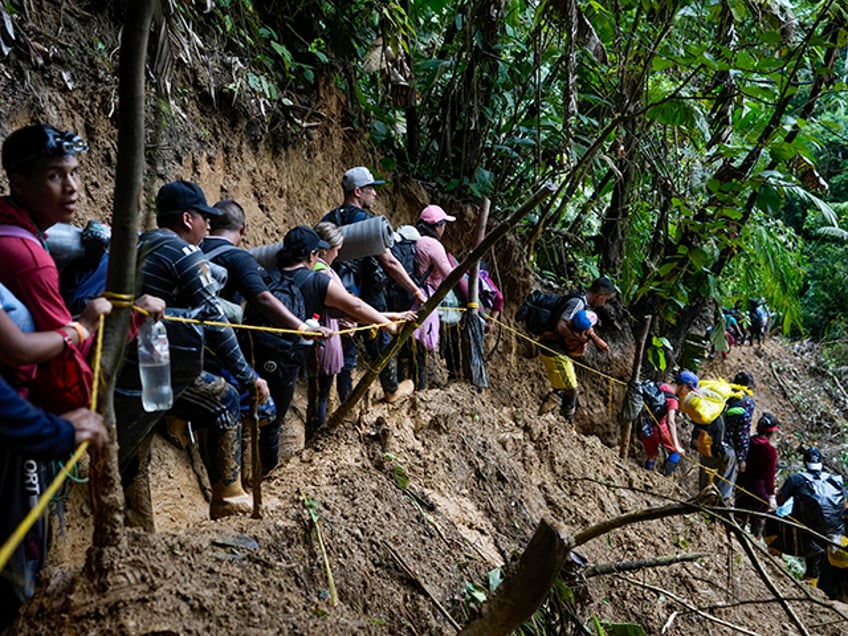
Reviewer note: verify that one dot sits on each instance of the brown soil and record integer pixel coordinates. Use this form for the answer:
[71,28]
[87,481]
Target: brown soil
[485,467]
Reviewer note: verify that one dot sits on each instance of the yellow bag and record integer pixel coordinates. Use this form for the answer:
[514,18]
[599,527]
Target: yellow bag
[838,557]
[702,406]
[707,402]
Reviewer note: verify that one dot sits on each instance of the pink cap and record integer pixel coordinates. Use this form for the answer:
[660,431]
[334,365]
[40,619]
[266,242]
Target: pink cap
[433,214]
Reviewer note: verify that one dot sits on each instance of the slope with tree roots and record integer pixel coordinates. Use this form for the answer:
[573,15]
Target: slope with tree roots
[417,503]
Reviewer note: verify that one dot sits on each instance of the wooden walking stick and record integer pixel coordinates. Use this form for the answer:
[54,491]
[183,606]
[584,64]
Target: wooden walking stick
[627,431]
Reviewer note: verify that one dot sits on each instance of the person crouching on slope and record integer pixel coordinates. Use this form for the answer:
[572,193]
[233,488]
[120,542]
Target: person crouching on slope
[569,340]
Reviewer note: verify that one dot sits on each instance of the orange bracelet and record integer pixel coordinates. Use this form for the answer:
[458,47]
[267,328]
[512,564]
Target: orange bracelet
[81,331]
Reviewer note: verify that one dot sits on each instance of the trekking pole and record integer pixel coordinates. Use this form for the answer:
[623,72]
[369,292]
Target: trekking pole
[624,449]
[255,463]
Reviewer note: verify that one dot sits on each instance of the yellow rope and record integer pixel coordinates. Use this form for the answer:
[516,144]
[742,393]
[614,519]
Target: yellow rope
[555,353]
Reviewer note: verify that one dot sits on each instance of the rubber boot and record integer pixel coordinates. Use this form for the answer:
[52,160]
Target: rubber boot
[229,500]
[671,464]
[139,503]
[568,406]
[404,389]
[223,463]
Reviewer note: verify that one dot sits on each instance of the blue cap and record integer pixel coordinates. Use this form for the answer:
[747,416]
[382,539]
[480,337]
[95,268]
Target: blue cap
[688,378]
[581,321]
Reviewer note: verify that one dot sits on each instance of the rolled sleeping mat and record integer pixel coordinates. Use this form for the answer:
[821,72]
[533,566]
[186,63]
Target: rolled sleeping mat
[366,238]
[266,255]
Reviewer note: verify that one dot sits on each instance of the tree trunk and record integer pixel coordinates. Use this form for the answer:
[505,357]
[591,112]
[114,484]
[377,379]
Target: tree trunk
[120,280]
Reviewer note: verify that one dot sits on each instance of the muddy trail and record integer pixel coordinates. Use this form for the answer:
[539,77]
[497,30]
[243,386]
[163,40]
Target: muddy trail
[424,502]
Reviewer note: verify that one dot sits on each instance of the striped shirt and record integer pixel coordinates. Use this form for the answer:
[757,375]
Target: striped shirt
[178,272]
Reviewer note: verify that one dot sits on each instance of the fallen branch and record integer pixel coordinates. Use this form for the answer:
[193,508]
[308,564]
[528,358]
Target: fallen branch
[412,575]
[688,606]
[605,569]
[745,542]
[788,394]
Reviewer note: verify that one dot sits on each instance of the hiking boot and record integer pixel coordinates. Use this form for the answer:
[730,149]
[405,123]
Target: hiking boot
[404,389]
[229,500]
[550,402]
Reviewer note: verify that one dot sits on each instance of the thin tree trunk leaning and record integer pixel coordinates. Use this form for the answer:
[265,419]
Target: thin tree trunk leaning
[627,431]
[473,326]
[526,587]
[453,278]
[120,280]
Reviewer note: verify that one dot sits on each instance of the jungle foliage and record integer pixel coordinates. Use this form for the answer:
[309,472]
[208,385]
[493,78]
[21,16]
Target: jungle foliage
[695,145]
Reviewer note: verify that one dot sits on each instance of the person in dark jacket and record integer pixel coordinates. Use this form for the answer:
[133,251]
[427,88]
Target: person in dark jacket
[29,435]
[755,485]
[818,502]
[738,419]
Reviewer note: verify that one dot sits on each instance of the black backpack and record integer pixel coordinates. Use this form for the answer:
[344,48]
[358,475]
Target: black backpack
[653,399]
[540,311]
[286,287]
[398,298]
[819,503]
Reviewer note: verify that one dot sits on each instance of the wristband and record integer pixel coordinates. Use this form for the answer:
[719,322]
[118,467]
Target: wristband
[81,331]
[66,338]
[420,295]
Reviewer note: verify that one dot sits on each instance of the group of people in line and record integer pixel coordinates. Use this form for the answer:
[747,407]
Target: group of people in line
[739,326]
[743,467]
[212,366]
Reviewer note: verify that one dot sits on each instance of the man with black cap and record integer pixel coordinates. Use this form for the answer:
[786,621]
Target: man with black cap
[369,280]
[818,502]
[175,269]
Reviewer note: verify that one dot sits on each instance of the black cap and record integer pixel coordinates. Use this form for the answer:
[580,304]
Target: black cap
[302,240]
[743,378]
[27,145]
[602,285]
[180,196]
[813,458]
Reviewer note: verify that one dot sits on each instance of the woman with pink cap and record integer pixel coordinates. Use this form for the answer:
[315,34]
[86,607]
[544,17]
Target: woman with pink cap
[432,266]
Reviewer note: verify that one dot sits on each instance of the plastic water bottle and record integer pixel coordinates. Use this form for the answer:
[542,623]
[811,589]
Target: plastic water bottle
[313,323]
[154,365]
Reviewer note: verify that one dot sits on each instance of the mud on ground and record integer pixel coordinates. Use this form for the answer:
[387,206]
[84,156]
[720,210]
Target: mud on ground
[432,493]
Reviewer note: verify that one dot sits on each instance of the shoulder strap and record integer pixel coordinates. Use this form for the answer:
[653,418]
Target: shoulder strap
[300,276]
[17,231]
[221,249]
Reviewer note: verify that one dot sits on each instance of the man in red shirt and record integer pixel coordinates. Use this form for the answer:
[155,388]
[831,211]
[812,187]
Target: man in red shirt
[43,173]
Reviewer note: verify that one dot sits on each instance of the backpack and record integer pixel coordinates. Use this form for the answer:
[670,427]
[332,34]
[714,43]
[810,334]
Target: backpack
[654,405]
[398,298]
[487,290]
[654,399]
[819,502]
[540,311]
[286,287]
